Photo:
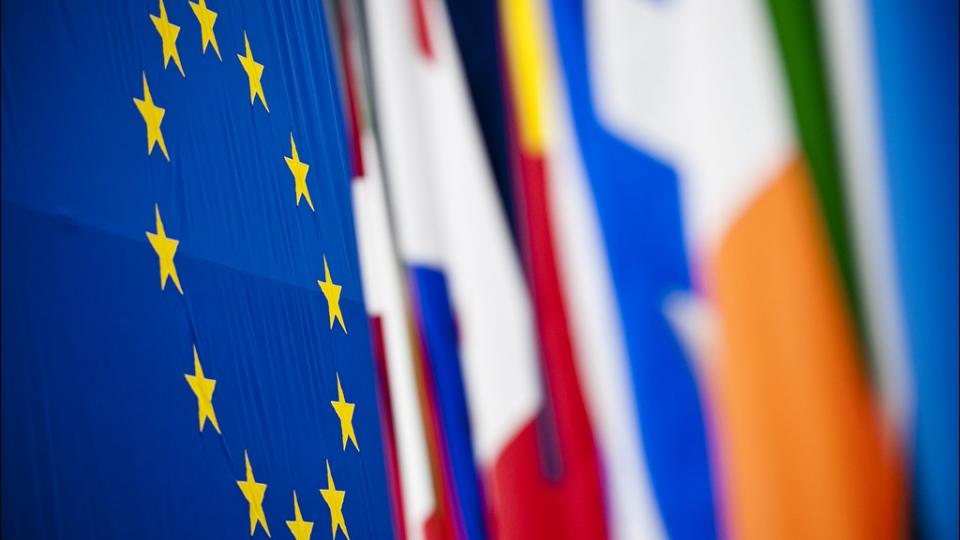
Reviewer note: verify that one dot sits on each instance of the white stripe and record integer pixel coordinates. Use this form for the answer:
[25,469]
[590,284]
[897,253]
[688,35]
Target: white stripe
[847,34]
[600,350]
[601,357]
[384,297]
[442,187]
[498,350]
[398,100]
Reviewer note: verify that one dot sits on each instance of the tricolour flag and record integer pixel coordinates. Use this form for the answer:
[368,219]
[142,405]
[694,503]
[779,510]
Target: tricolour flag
[800,439]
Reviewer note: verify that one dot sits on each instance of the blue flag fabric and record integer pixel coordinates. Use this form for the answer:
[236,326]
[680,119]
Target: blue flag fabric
[101,393]
[635,194]
[917,71]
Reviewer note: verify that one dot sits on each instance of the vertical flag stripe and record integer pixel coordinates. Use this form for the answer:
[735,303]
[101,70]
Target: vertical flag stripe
[747,211]
[917,76]
[350,89]
[471,303]
[802,448]
[600,346]
[798,37]
[422,29]
[798,33]
[637,197]
[443,522]
[523,38]
[388,301]
[852,74]
[447,404]
[389,431]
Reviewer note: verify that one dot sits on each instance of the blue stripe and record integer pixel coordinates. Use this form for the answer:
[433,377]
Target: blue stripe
[916,54]
[638,205]
[442,363]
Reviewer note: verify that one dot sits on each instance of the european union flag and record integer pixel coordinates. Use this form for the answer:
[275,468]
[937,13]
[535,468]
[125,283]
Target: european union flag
[185,347]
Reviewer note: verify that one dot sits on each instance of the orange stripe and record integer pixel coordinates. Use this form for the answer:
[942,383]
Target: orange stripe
[800,436]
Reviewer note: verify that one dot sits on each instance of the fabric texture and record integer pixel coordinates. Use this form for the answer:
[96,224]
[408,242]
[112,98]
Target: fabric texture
[100,428]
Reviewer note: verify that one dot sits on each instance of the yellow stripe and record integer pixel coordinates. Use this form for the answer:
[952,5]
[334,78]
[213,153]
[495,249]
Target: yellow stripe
[523,39]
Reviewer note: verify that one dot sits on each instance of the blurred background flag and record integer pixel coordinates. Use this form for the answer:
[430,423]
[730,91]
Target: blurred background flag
[910,59]
[851,70]
[893,75]
[497,269]
[385,294]
[105,371]
[511,424]
[684,50]
[428,145]
[615,212]
[798,443]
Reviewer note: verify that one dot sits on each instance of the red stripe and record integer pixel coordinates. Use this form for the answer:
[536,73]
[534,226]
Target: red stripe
[422,28]
[386,423]
[353,121]
[529,501]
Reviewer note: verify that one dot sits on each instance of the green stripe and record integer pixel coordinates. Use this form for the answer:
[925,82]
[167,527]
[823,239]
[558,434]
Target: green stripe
[798,37]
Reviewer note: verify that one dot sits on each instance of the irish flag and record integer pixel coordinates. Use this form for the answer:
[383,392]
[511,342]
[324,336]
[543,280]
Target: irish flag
[798,446]
[802,449]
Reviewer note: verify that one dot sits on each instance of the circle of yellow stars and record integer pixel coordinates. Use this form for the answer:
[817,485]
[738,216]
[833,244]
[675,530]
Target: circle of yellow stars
[165,248]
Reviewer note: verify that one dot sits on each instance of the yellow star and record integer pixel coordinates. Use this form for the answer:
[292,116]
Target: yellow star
[299,170]
[168,34]
[166,248]
[207,18]
[344,411]
[254,492]
[332,292]
[300,529]
[334,499]
[254,72]
[153,116]
[203,388]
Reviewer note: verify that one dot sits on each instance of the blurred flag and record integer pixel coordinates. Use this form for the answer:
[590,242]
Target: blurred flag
[476,28]
[916,74]
[697,87]
[797,33]
[385,295]
[851,72]
[614,212]
[895,77]
[400,118]
[185,347]
[851,198]
[469,297]
[799,437]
